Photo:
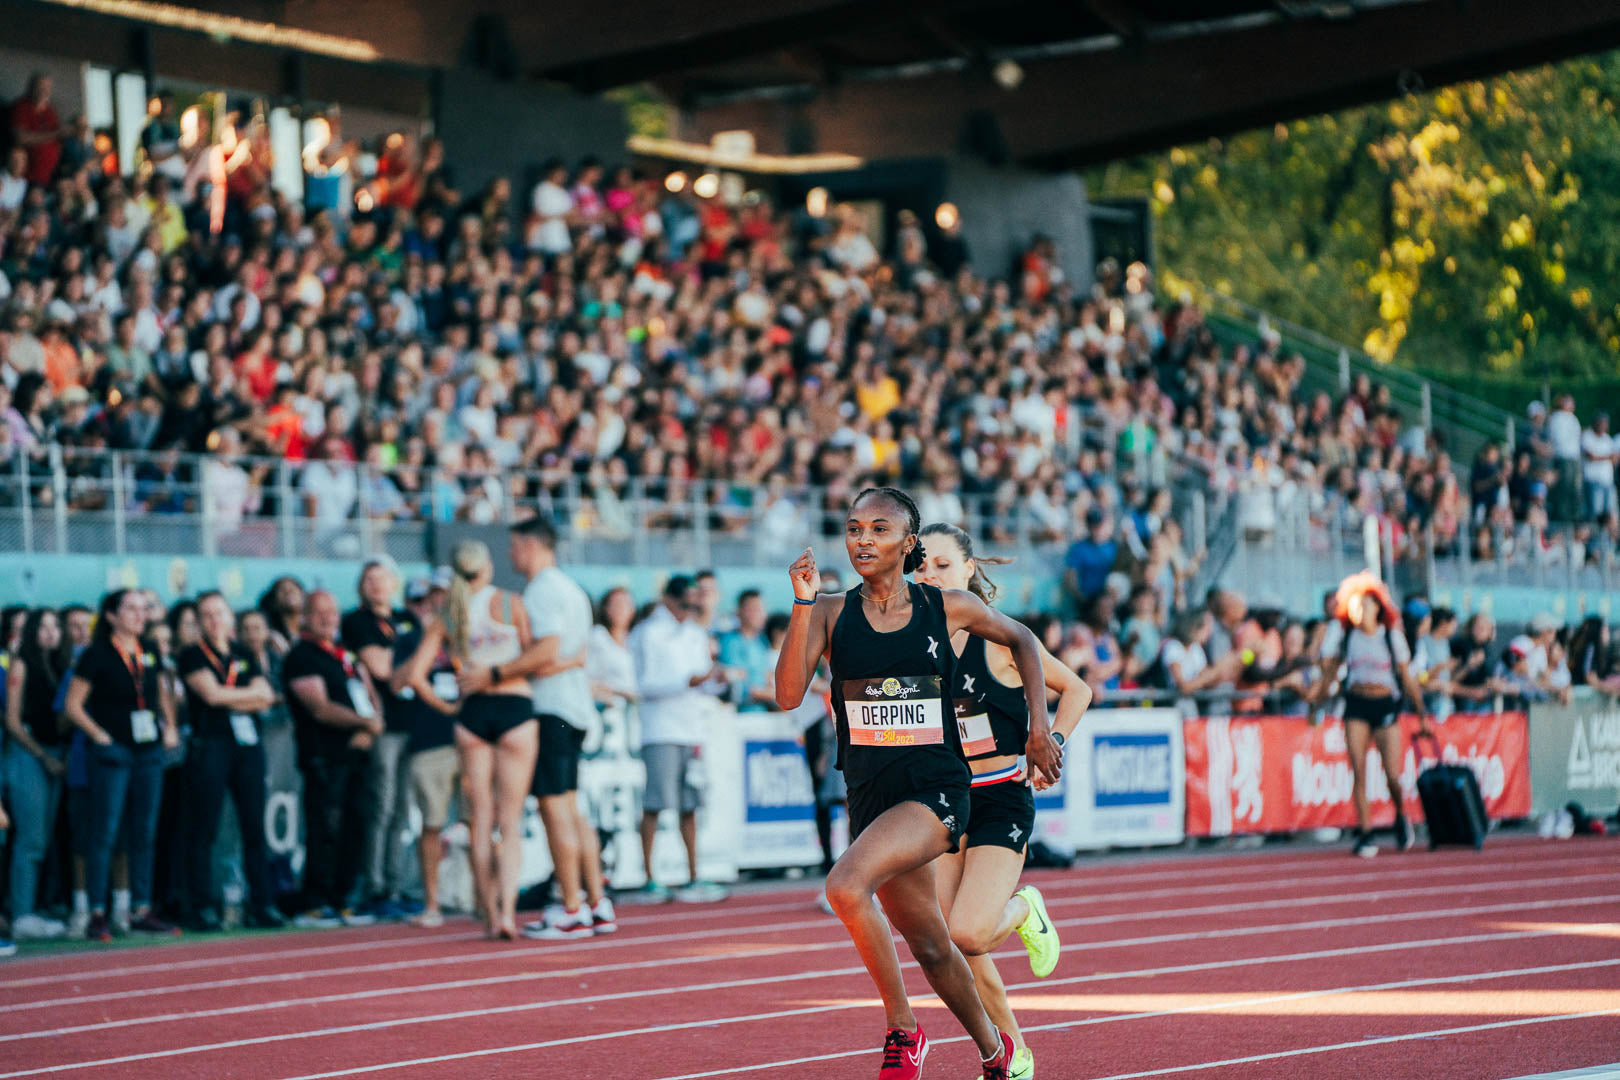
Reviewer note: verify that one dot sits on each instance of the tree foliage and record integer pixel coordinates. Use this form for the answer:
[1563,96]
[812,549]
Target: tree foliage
[1471,228]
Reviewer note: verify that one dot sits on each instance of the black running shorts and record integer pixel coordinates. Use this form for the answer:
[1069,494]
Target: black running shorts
[1003,815]
[940,786]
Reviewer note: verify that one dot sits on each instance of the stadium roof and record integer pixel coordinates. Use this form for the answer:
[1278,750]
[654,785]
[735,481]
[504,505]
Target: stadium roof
[1041,83]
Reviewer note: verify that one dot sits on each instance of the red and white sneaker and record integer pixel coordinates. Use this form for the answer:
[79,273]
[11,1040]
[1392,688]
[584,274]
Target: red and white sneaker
[1000,1066]
[903,1053]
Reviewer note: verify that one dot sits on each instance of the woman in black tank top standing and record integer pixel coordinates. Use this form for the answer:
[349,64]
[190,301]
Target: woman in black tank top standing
[976,885]
[888,644]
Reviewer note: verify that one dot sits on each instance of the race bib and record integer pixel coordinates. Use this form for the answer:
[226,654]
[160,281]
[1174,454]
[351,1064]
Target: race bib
[906,711]
[360,699]
[143,726]
[444,686]
[245,730]
[973,724]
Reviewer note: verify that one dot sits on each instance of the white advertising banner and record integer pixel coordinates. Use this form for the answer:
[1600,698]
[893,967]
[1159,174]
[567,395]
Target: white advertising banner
[1123,783]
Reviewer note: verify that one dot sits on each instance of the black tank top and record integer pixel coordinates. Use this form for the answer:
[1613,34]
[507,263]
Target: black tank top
[38,705]
[992,718]
[889,689]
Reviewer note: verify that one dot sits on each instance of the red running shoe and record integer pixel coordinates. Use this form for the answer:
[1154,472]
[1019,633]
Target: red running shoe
[1000,1066]
[903,1053]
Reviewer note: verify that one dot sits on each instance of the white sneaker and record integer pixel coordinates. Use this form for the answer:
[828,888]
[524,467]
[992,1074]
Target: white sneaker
[701,892]
[78,923]
[33,927]
[120,922]
[603,918]
[570,924]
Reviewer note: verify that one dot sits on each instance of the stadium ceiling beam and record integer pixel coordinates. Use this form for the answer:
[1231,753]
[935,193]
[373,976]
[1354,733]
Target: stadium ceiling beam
[1096,104]
[754,32]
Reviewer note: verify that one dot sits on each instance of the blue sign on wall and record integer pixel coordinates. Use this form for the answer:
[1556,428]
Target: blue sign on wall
[1131,770]
[776,782]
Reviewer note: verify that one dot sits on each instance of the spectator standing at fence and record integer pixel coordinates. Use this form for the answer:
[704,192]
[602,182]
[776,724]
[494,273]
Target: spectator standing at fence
[35,762]
[1591,661]
[1366,645]
[1474,678]
[119,701]
[1433,663]
[228,694]
[560,621]
[369,631]
[1091,558]
[745,653]
[1564,433]
[337,718]
[428,703]
[608,662]
[1599,452]
[673,660]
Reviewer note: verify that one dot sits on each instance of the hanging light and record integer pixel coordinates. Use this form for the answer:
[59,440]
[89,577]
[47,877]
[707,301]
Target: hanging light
[947,216]
[815,202]
[706,186]
[675,182]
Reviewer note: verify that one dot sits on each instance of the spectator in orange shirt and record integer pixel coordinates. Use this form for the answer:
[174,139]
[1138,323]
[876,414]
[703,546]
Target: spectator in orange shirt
[37,129]
[62,367]
[284,427]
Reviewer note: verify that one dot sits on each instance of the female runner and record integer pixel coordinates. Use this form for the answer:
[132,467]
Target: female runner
[888,644]
[1365,641]
[486,630]
[976,884]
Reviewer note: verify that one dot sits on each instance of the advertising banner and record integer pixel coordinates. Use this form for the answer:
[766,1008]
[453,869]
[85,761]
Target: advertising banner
[1122,783]
[1575,755]
[1282,774]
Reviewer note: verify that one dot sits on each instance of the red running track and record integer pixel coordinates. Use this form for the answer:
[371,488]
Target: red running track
[1498,964]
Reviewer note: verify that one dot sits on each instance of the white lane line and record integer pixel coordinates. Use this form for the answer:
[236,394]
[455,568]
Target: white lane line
[747,1018]
[1058,887]
[1202,1008]
[1359,1043]
[1596,1072]
[1265,1000]
[1337,899]
[1107,976]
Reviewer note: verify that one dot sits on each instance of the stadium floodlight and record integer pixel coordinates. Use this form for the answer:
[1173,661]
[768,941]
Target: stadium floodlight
[1009,74]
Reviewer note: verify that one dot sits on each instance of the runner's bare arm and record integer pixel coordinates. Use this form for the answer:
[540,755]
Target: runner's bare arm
[964,611]
[806,635]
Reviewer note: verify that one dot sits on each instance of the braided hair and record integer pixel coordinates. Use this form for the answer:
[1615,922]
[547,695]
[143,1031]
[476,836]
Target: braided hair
[979,584]
[914,559]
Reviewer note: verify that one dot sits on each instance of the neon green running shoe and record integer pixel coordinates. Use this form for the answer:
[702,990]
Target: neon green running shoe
[1022,1068]
[1040,936]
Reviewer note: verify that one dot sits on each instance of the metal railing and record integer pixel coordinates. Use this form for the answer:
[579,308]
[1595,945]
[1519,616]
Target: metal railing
[1331,538]
[1466,423]
[81,501]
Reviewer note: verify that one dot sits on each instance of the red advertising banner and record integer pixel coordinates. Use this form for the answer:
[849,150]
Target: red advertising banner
[1267,774]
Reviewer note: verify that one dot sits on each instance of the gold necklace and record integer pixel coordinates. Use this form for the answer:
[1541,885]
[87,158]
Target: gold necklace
[868,596]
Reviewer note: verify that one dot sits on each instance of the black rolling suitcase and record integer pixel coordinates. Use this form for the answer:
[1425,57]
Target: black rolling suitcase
[1452,805]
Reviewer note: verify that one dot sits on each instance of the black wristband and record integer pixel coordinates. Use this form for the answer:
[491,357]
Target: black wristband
[804,603]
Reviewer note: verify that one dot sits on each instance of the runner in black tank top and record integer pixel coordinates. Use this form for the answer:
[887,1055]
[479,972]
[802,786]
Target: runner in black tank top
[899,751]
[976,885]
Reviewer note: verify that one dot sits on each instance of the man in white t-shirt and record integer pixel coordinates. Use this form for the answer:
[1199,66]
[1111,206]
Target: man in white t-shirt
[1564,432]
[675,659]
[1598,454]
[553,206]
[560,620]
